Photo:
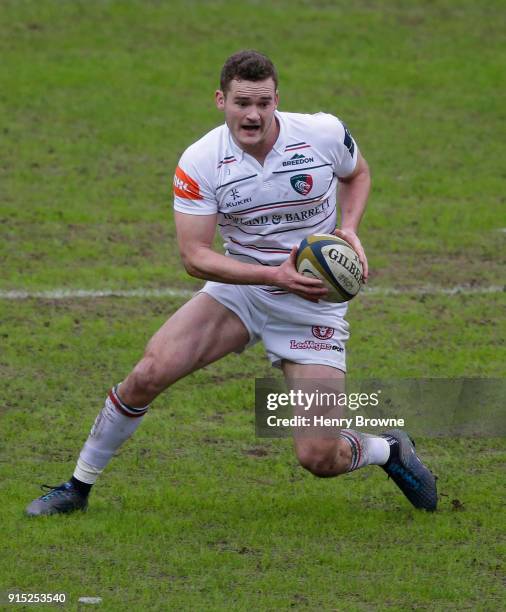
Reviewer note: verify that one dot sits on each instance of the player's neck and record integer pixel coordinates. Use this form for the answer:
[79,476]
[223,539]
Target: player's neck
[260,151]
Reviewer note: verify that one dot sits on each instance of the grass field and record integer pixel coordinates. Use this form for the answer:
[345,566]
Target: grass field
[97,102]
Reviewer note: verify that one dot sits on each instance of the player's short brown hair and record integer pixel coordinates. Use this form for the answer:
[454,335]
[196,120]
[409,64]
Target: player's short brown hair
[247,65]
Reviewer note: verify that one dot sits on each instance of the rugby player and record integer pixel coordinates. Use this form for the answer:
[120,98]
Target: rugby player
[267,179]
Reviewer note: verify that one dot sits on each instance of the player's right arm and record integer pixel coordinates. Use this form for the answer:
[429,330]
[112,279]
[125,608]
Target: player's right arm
[196,215]
[195,234]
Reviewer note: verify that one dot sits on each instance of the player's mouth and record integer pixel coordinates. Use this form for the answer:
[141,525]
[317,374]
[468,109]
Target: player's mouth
[251,129]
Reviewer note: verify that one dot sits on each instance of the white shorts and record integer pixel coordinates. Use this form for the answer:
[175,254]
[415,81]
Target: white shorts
[290,327]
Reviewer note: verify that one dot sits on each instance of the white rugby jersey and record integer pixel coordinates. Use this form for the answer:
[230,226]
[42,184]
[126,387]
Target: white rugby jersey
[265,210]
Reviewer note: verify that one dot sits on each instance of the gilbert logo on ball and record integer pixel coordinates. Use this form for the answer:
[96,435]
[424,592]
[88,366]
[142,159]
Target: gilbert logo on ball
[332,260]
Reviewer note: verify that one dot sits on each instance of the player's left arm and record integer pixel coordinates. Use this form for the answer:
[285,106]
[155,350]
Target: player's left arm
[353,194]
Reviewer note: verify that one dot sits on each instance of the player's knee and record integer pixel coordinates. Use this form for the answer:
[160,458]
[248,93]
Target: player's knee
[321,462]
[148,376]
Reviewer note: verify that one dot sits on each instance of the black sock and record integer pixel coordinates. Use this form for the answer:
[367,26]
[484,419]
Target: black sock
[83,487]
[394,450]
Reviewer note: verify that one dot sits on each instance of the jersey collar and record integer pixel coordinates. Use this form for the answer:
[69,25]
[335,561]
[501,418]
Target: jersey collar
[278,147]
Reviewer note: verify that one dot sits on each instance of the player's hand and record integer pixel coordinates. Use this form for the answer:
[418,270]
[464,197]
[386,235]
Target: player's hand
[352,239]
[287,277]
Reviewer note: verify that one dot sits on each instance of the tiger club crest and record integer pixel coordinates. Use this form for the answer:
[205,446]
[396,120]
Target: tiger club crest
[302,183]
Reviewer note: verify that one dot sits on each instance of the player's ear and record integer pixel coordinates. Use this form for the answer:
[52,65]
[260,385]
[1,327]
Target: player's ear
[219,98]
[276,98]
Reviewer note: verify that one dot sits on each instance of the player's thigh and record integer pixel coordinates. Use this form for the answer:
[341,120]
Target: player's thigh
[200,332]
[311,371]
[321,386]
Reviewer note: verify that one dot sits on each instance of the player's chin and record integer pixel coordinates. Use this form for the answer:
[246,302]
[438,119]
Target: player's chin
[250,135]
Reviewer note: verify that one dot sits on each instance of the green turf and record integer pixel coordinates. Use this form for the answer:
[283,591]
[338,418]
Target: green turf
[197,513]
[97,102]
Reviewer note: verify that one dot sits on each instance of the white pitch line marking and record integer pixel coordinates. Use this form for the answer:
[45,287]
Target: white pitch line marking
[62,294]
[431,290]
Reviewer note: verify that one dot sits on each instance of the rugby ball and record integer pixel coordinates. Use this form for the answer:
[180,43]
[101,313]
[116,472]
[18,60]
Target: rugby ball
[332,260]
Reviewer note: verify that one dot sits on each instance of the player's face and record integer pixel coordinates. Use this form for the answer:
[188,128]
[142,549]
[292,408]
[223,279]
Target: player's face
[249,112]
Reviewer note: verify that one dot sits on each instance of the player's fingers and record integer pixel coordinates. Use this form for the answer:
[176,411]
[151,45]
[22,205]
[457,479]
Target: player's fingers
[309,281]
[354,241]
[365,268]
[340,234]
[314,291]
[363,260]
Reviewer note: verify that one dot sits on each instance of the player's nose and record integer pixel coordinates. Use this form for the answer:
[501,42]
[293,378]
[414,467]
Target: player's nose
[253,115]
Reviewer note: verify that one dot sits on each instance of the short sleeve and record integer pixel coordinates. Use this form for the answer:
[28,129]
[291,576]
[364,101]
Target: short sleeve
[343,148]
[192,192]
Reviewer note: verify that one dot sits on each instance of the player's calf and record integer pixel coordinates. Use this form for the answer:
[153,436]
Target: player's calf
[323,457]
[349,451]
[115,423]
[394,451]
